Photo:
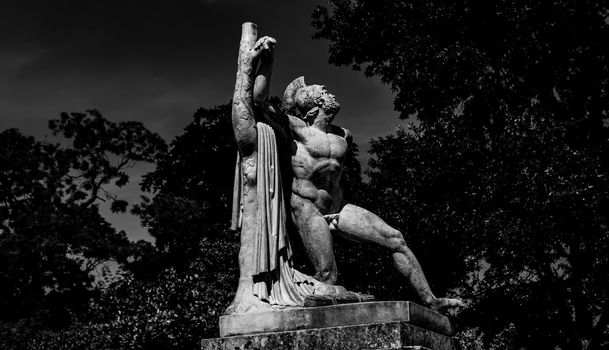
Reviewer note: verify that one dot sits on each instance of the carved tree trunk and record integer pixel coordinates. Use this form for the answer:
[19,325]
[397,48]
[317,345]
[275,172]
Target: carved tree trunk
[243,111]
[246,137]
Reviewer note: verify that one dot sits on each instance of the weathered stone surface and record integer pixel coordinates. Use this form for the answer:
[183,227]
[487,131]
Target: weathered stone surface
[290,319]
[335,299]
[305,139]
[389,335]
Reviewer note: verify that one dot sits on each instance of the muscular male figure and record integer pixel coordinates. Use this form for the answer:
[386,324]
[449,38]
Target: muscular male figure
[317,203]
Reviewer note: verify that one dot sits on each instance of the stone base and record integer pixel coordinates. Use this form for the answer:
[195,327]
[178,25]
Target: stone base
[290,319]
[369,325]
[392,335]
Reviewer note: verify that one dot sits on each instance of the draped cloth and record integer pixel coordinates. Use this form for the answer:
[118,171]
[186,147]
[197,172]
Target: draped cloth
[275,279]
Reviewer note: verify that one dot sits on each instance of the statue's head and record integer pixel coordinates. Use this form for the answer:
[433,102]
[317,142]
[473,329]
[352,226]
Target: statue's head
[306,101]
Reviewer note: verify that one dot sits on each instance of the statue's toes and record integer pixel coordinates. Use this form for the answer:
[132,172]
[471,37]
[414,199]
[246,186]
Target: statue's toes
[446,304]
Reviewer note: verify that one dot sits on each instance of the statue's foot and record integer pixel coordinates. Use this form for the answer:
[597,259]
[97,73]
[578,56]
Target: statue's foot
[247,303]
[444,304]
[328,289]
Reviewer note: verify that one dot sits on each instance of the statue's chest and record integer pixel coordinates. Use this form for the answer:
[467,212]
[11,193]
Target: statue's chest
[322,145]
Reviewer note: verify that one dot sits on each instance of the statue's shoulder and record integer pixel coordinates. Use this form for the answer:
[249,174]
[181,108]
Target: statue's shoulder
[341,132]
[296,123]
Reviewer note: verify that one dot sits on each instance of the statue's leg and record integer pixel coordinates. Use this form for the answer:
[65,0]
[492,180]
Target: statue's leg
[361,225]
[316,238]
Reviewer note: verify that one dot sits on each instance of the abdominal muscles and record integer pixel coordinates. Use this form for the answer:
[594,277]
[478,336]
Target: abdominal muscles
[319,183]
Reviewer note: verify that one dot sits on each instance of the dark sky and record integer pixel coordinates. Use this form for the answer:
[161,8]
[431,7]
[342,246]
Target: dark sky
[157,61]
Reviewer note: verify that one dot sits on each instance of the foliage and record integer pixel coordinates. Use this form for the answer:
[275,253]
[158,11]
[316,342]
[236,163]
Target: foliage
[76,336]
[351,177]
[51,233]
[199,161]
[505,177]
[173,311]
[192,184]
[520,222]
[179,308]
[495,57]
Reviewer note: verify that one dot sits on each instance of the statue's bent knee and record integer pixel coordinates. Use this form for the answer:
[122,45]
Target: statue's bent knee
[396,240]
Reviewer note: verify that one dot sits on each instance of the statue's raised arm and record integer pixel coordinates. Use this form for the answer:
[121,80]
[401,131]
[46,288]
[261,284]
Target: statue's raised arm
[253,74]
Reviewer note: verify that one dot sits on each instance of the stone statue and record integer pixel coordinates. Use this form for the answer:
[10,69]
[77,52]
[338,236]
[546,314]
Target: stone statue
[297,154]
[267,278]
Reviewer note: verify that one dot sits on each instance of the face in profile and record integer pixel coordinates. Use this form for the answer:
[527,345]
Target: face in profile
[328,102]
[313,96]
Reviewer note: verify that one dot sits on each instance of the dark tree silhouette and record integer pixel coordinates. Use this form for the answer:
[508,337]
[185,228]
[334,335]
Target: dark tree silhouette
[487,59]
[52,236]
[502,188]
[517,225]
[192,187]
[168,295]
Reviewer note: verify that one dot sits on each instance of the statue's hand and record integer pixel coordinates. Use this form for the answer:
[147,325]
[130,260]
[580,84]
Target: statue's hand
[262,51]
[264,48]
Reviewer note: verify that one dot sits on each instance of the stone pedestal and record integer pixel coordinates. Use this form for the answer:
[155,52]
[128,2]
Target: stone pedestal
[371,325]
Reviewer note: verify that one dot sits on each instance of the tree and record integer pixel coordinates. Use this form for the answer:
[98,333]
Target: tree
[487,59]
[172,311]
[505,176]
[192,186]
[520,224]
[52,235]
[178,308]
[170,294]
